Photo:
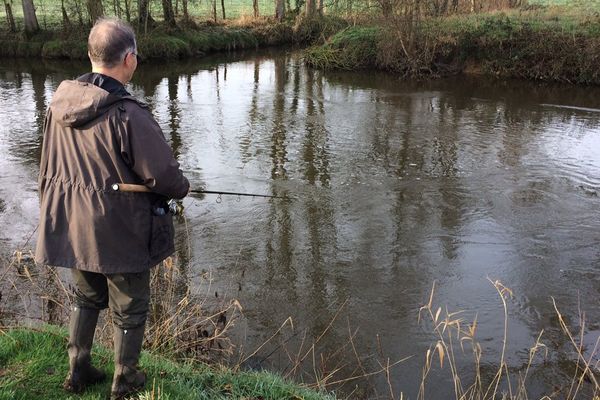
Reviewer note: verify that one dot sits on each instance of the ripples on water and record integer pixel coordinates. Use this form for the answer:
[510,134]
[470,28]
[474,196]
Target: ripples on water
[394,185]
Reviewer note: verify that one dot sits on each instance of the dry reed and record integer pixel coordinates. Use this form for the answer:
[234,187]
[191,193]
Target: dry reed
[452,332]
[181,323]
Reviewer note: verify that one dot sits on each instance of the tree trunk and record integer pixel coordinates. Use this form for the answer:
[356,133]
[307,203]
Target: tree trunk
[223,8]
[386,7]
[10,19]
[128,10]
[280,10]
[311,8]
[144,17]
[445,7]
[214,10]
[184,4]
[95,10]
[29,17]
[65,16]
[168,13]
[255,8]
[320,6]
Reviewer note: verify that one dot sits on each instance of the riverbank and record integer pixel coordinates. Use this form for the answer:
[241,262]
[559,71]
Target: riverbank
[188,40]
[33,364]
[546,44]
[554,44]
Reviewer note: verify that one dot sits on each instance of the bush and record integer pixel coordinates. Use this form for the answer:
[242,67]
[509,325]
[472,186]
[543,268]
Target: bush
[352,48]
[317,28]
[163,47]
[64,49]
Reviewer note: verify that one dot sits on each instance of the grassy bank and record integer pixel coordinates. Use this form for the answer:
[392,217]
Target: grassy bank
[188,40]
[158,43]
[33,365]
[547,43]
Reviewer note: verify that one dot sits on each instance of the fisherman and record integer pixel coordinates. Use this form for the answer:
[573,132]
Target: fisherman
[95,135]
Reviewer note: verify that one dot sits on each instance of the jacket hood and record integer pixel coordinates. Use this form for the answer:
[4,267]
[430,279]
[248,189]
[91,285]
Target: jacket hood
[76,103]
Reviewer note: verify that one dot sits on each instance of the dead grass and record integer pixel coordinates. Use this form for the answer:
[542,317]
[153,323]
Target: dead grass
[181,323]
[454,334]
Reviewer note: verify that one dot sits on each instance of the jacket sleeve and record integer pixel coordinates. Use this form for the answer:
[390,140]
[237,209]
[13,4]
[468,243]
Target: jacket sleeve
[151,158]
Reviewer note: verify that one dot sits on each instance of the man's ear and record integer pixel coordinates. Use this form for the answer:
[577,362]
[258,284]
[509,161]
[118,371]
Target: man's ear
[129,59]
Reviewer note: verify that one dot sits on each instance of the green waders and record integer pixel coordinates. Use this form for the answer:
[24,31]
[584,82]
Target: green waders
[81,336]
[128,296]
[128,378]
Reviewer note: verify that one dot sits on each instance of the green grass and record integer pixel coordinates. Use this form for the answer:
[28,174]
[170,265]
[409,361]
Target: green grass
[351,48]
[539,44]
[49,11]
[33,365]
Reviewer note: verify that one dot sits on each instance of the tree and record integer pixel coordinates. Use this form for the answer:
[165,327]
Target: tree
[144,17]
[168,13]
[10,19]
[29,17]
[128,10]
[255,8]
[310,8]
[95,10]
[223,8]
[65,16]
[184,4]
[279,10]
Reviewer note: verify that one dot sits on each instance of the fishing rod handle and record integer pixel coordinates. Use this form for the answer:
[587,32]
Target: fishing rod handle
[130,187]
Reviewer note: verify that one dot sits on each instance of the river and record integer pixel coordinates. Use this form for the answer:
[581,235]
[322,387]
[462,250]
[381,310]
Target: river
[391,186]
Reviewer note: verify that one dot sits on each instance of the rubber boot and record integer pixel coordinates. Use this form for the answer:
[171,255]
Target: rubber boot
[128,379]
[81,336]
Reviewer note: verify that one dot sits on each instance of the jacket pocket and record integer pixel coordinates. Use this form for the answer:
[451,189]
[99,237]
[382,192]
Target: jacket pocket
[162,235]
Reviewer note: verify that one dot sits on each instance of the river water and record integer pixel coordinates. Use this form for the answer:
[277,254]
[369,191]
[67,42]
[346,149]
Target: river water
[392,185]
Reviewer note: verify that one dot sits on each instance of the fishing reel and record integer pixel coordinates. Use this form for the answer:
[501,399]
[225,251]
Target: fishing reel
[175,207]
[172,207]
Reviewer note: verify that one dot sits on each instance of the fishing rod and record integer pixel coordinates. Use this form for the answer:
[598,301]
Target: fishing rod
[130,187]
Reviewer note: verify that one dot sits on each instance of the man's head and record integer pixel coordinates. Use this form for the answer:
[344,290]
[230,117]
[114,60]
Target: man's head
[112,49]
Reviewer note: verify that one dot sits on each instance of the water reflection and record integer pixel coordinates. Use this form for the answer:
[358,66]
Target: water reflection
[391,185]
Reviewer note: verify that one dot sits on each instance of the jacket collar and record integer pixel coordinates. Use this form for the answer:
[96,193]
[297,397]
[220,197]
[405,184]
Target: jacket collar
[105,82]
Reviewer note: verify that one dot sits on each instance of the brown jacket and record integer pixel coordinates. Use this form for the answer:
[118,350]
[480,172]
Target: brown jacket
[93,139]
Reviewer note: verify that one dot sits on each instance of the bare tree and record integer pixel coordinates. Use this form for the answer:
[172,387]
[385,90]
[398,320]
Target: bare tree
[223,8]
[214,10]
[168,13]
[30,19]
[95,10]
[310,8]
[144,17]
[255,8]
[65,16]
[128,10]
[279,10]
[184,4]
[10,19]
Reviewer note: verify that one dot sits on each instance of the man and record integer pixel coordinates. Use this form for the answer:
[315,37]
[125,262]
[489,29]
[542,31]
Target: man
[96,134]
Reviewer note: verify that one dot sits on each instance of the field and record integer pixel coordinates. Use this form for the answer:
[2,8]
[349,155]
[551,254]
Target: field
[49,11]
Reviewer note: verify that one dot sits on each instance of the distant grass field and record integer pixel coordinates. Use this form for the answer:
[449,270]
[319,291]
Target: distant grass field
[582,5]
[49,11]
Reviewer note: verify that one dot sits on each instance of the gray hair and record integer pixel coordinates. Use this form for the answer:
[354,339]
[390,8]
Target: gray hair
[109,42]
